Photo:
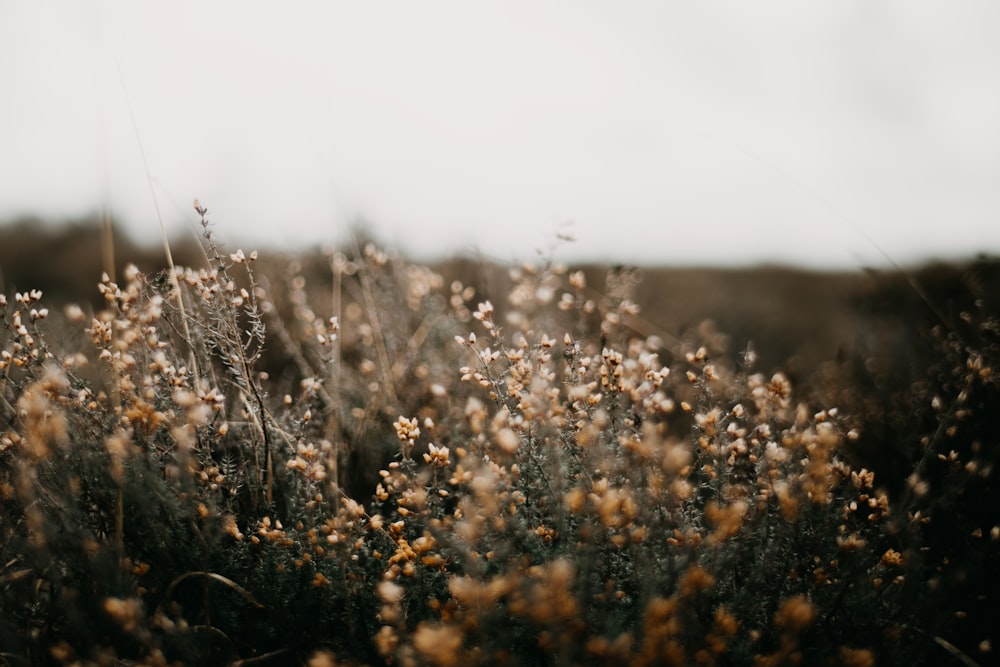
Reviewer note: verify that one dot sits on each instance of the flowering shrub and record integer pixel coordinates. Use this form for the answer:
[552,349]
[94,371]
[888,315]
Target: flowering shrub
[435,480]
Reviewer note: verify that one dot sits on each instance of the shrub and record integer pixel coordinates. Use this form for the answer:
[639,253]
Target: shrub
[433,481]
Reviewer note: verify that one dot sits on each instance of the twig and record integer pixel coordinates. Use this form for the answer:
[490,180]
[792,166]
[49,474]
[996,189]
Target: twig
[956,653]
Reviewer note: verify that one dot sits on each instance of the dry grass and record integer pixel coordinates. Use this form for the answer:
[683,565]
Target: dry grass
[427,478]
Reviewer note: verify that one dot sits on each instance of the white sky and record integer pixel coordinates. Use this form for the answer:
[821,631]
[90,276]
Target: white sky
[656,131]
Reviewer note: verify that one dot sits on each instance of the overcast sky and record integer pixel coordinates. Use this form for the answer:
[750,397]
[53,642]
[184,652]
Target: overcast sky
[652,132]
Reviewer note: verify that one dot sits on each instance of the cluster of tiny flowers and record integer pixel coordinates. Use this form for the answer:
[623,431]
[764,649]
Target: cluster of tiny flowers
[542,479]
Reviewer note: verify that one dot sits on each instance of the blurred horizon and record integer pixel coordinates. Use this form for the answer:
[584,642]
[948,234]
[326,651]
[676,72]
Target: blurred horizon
[30,232]
[816,136]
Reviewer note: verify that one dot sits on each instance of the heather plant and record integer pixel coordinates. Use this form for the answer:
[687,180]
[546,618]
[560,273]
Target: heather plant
[224,467]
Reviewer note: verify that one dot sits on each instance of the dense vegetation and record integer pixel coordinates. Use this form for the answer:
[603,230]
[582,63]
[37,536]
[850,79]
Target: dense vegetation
[352,459]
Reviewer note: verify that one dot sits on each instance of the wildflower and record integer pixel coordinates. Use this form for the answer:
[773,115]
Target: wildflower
[728,519]
[437,456]
[386,640]
[438,644]
[863,479]
[695,580]
[322,659]
[127,613]
[507,440]
[230,527]
[407,430]
[892,558]
[856,657]
[919,486]
[575,499]
[795,614]
[475,414]
[468,592]
[390,592]
[780,389]
[851,542]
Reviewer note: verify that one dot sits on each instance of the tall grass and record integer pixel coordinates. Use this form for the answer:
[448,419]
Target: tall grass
[432,479]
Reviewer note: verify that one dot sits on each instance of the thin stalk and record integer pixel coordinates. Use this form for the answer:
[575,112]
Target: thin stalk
[334,420]
[383,354]
[174,283]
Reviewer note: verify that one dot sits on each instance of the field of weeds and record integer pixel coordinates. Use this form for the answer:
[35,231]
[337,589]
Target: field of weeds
[347,458]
